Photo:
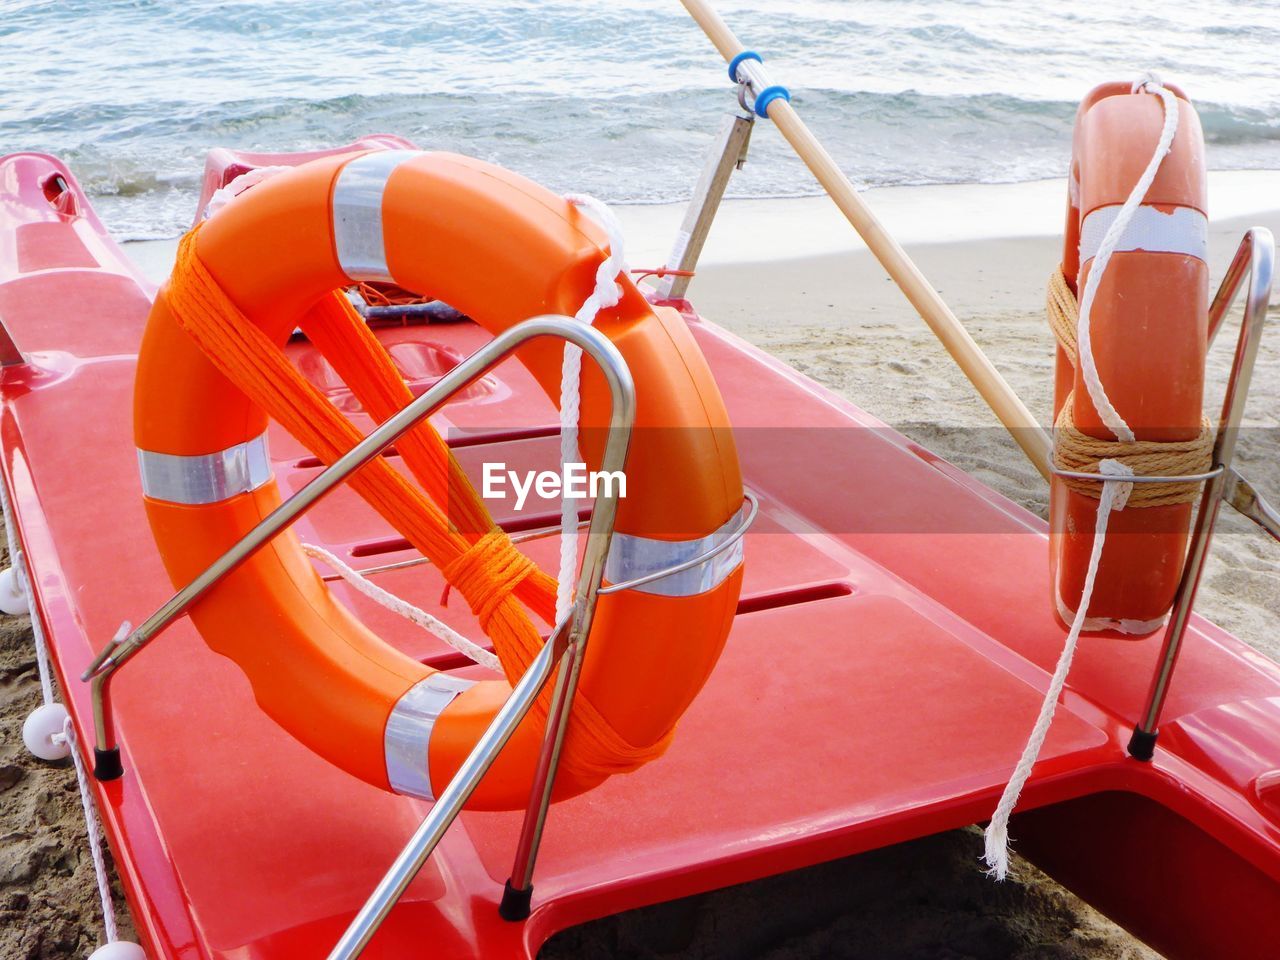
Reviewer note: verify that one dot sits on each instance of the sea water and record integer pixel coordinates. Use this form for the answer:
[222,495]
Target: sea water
[619,98]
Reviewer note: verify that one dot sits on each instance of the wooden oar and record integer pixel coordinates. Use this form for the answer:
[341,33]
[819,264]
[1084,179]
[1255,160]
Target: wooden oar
[1012,412]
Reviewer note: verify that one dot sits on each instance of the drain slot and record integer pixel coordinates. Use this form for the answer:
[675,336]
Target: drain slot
[459,442]
[794,596]
[548,522]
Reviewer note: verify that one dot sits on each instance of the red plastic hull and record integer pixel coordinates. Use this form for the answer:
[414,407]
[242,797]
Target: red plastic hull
[891,652]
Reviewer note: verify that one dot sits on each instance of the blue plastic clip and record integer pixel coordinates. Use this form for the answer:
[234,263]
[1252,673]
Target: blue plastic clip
[744,55]
[767,96]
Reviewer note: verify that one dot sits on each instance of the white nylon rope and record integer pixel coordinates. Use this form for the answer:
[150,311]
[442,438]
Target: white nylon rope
[95,838]
[606,294]
[996,846]
[19,567]
[68,733]
[407,610]
[1088,370]
[1114,494]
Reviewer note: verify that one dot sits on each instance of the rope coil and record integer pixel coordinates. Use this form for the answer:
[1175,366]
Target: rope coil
[1079,452]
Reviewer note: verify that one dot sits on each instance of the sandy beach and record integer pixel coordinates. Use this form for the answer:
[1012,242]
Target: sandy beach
[839,320]
[790,276]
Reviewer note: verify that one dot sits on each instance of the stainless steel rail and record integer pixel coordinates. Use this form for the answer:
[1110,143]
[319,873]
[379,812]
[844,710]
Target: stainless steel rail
[525,537]
[564,649]
[1239,492]
[1254,260]
[451,800]
[736,534]
[519,888]
[1140,479]
[753,509]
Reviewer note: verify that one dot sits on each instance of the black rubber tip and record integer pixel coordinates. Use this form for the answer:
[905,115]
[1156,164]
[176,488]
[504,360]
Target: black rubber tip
[1142,745]
[107,765]
[515,903]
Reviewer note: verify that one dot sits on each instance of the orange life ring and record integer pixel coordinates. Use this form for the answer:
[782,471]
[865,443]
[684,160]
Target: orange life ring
[500,249]
[1149,330]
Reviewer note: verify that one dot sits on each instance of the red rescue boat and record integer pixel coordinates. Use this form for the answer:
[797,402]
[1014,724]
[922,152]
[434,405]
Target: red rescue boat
[899,716]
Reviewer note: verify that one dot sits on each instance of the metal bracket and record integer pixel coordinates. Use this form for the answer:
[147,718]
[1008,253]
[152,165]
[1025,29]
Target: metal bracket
[1140,478]
[10,355]
[728,153]
[1239,493]
[738,532]
[1254,260]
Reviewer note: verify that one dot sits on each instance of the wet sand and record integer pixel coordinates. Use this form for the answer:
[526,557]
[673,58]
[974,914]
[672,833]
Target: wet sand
[835,317]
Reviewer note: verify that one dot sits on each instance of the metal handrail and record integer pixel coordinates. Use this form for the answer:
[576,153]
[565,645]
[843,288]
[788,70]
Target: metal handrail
[126,645]
[1139,478]
[564,648]
[1254,259]
[519,887]
[463,375]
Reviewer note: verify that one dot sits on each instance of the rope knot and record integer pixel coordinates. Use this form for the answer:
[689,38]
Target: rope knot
[1149,82]
[488,572]
[1122,491]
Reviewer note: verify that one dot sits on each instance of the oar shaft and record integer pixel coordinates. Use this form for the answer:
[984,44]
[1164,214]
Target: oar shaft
[715,28]
[993,388]
[975,364]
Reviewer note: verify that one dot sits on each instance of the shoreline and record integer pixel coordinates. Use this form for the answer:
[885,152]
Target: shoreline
[772,229]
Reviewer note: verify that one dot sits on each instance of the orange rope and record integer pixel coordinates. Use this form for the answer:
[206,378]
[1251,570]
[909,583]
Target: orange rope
[387,295]
[335,329]
[488,571]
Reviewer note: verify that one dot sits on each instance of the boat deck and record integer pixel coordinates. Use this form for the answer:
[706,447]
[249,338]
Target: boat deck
[893,641]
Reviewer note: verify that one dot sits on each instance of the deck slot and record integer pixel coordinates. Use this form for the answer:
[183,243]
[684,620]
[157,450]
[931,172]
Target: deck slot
[519,524]
[810,593]
[477,439]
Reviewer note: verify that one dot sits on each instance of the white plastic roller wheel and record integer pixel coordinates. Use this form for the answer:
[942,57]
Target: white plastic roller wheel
[120,950]
[13,598]
[39,729]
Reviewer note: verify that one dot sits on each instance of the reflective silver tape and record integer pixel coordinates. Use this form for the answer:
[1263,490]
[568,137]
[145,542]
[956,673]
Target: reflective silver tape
[408,734]
[205,478]
[633,557]
[357,213]
[1183,230]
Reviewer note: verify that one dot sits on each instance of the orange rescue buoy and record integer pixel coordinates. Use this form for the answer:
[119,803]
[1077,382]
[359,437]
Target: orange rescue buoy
[1149,331]
[500,249]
